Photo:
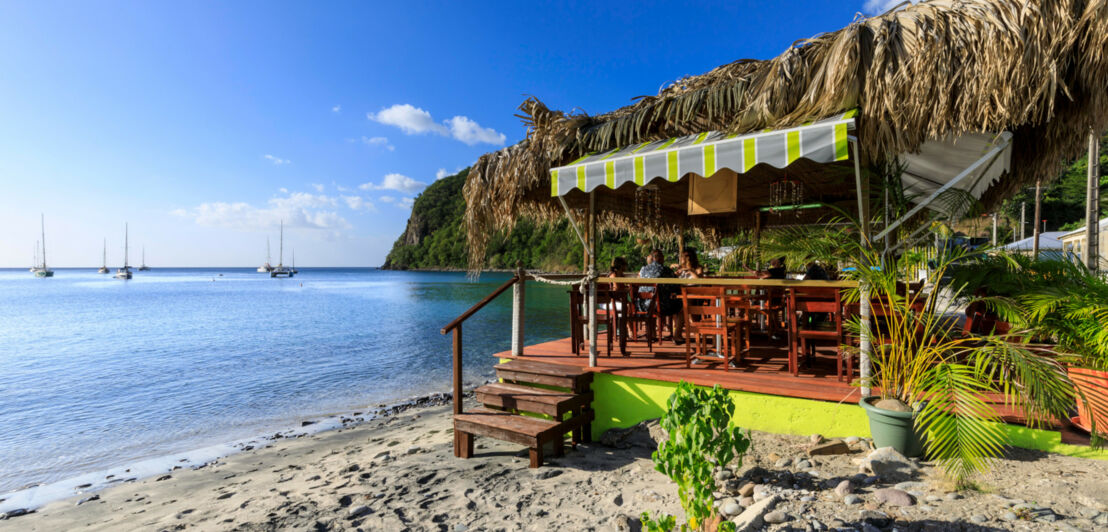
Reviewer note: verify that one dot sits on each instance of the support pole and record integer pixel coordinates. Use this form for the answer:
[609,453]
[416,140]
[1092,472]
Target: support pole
[994,229]
[518,293]
[592,281]
[1038,213]
[1092,205]
[1023,220]
[865,369]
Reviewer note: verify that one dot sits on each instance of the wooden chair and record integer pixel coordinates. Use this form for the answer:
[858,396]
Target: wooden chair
[804,302]
[706,310]
[579,317]
[648,317]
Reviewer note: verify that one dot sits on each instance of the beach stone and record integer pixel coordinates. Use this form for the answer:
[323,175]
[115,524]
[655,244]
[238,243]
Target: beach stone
[832,447]
[761,492]
[747,502]
[978,518]
[773,457]
[894,497]
[625,523]
[1088,513]
[783,462]
[724,474]
[730,507]
[852,440]
[952,496]
[803,464]
[775,517]
[357,512]
[866,527]
[934,498]
[816,439]
[345,501]
[886,462]
[844,488]
[753,517]
[875,518]
[1009,516]
[618,499]
[852,499]
[460,527]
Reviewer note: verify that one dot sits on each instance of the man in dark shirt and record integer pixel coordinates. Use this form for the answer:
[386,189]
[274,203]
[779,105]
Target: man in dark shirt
[776,269]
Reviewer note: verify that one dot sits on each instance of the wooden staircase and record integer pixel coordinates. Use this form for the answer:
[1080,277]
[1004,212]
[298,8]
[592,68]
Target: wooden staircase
[524,389]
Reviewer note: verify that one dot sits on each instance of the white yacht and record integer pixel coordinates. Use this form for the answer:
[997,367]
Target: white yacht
[104,265]
[40,270]
[125,271]
[281,270]
[266,268]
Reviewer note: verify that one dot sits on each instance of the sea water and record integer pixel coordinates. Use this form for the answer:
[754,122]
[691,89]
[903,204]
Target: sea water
[98,373]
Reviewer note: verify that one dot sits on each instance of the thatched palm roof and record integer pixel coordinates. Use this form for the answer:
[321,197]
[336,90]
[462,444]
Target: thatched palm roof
[942,68]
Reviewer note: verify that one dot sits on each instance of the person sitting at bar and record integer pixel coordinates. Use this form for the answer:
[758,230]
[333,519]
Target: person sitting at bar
[668,305]
[815,272]
[776,269]
[618,268]
[689,267]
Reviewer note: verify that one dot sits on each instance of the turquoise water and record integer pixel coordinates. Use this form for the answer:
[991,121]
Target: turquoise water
[98,373]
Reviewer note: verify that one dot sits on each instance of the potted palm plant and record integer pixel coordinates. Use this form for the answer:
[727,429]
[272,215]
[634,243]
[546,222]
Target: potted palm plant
[935,389]
[1060,301]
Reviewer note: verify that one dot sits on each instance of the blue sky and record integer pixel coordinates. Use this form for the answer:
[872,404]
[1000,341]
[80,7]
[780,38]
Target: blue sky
[204,124]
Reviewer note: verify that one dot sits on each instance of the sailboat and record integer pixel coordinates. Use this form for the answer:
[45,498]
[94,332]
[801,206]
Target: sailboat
[41,270]
[266,268]
[281,270]
[34,260]
[104,265]
[143,267]
[125,271]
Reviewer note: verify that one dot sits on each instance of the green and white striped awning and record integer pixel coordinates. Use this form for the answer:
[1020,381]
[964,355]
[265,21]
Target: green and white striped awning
[824,141]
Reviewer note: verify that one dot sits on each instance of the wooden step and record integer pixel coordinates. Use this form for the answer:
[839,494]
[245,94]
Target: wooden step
[529,399]
[575,378]
[515,428]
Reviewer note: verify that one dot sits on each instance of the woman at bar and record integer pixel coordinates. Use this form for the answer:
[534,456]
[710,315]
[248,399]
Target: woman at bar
[689,267]
[776,269]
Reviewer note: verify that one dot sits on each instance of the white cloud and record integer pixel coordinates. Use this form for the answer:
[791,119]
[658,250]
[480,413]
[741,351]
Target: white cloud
[441,174]
[358,202]
[378,142]
[387,199]
[878,7]
[409,119]
[397,182]
[471,132]
[283,190]
[407,202]
[276,160]
[318,187]
[414,120]
[297,210]
[336,109]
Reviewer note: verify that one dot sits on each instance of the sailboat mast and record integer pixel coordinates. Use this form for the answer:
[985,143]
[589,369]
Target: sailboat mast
[42,219]
[281,256]
[267,255]
[125,243]
[105,252]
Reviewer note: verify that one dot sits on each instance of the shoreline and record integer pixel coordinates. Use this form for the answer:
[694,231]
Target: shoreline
[35,495]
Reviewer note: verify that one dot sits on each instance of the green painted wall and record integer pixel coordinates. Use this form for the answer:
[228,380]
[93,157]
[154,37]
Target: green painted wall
[623,401]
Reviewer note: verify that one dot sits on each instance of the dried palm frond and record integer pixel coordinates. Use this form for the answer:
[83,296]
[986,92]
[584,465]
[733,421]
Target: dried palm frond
[940,68]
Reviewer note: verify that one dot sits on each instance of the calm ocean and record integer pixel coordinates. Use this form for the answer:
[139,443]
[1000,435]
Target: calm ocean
[97,373]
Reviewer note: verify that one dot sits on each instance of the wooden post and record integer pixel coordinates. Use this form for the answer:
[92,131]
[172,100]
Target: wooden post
[592,280]
[458,369]
[1038,213]
[518,293]
[1092,205]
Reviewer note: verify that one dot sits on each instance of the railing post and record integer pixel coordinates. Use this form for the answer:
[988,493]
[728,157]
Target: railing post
[518,294]
[458,369]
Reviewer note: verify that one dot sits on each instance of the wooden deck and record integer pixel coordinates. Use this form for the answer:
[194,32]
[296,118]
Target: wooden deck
[764,370]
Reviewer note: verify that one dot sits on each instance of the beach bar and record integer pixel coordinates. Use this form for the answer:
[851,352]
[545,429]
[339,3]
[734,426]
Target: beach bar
[954,105]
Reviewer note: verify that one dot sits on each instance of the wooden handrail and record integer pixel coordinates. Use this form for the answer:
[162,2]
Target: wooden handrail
[480,305]
[456,326]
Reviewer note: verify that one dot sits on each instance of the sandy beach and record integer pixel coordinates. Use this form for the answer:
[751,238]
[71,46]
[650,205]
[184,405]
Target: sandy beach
[397,472]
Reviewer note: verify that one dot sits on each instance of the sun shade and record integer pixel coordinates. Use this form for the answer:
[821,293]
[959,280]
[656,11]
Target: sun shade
[704,154]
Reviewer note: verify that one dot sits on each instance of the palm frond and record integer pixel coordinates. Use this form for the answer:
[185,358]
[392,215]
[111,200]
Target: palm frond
[963,432]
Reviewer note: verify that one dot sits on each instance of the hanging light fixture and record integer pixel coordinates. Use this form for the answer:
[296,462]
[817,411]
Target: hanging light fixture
[785,192]
[648,206]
